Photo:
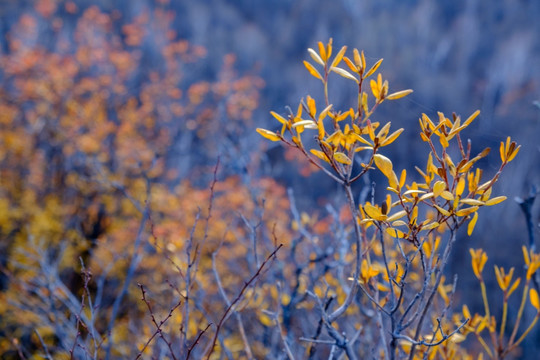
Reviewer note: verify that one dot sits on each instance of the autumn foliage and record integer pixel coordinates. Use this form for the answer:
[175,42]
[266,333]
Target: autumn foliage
[126,231]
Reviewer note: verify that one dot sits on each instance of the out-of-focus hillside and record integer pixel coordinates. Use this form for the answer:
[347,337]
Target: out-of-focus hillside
[161,88]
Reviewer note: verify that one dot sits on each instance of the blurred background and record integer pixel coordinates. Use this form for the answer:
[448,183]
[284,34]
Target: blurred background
[457,56]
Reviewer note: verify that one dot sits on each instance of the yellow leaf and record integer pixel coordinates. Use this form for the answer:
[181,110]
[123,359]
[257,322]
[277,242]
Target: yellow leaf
[384,164]
[285,299]
[430,226]
[375,89]
[390,139]
[396,216]
[402,178]
[373,68]
[320,155]
[447,195]
[535,301]
[384,130]
[444,141]
[322,51]
[373,212]
[514,153]
[466,211]
[329,49]
[361,139]
[266,320]
[350,64]
[495,200]
[473,202]
[471,118]
[280,118]
[460,186]
[312,70]
[442,211]
[311,106]
[426,196]
[339,56]
[342,158]
[438,188]
[268,134]
[399,94]
[320,128]
[395,233]
[356,57]
[472,223]
[514,286]
[502,152]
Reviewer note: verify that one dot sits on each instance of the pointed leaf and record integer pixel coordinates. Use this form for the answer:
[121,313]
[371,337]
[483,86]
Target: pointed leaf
[374,89]
[344,73]
[268,134]
[320,155]
[396,216]
[315,57]
[373,212]
[535,300]
[466,211]
[373,68]
[279,118]
[472,202]
[399,94]
[310,124]
[395,233]
[339,56]
[442,211]
[384,164]
[312,107]
[495,200]
[460,186]
[447,195]
[390,139]
[313,71]
[438,188]
[342,158]
[322,51]
[471,118]
[472,223]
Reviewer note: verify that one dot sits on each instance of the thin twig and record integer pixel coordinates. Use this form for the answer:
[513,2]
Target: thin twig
[238,298]
[158,326]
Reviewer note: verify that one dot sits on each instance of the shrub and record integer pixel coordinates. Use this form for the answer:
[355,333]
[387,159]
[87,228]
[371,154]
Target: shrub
[114,247]
[398,301]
